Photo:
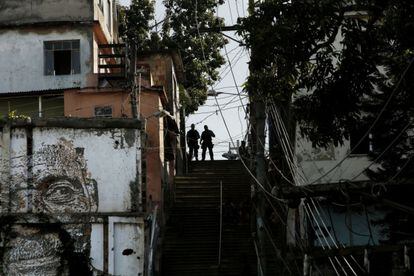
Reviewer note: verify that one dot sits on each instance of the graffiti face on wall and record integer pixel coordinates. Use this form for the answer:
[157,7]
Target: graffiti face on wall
[33,253]
[62,183]
[63,191]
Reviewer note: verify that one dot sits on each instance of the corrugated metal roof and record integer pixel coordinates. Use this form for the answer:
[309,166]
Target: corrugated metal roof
[37,92]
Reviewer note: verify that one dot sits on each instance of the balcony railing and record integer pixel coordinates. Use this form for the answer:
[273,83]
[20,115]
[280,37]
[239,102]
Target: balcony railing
[113,62]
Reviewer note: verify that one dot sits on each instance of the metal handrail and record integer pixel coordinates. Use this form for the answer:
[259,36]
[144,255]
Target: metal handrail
[221,221]
[152,241]
[258,258]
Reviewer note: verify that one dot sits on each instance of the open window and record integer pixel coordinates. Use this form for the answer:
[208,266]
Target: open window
[62,57]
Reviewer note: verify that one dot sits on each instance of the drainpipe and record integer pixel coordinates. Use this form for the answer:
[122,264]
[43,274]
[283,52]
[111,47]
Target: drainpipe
[40,107]
[133,81]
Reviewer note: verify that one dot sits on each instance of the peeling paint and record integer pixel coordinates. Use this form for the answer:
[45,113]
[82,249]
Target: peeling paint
[22,12]
[130,137]
[134,195]
[18,46]
[72,185]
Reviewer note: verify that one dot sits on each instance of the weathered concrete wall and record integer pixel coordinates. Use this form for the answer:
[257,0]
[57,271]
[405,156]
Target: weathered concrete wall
[315,162]
[70,194]
[161,68]
[164,68]
[113,177]
[17,12]
[154,146]
[83,103]
[123,252]
[22,59]
[352,226]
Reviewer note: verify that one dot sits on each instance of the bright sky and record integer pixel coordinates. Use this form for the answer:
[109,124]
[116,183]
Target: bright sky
[232,109]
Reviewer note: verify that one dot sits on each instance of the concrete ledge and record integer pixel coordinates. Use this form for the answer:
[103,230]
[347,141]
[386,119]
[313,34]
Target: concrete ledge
[19,25]
[64,218]
[329,189]
[76,123]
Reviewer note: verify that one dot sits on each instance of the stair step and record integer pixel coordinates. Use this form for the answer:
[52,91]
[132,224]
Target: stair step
[191,238]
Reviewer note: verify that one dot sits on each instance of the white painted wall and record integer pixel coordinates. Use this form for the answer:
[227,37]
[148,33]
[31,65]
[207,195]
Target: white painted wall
[18,171]
[18,12]
[114,167]
[22,59]
[316,162]
[356,220]
[97,246]
[126,233]
[108,13]
[111,157]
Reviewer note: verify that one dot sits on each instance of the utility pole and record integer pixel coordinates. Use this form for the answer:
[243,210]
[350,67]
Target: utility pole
[258,122]
[140,71]
[132,77]
[257,113]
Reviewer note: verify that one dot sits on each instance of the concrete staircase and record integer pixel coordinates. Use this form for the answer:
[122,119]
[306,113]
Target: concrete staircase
[191,243]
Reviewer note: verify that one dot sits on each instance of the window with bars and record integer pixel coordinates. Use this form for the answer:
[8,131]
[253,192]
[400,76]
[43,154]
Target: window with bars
[103,111]
[62,57]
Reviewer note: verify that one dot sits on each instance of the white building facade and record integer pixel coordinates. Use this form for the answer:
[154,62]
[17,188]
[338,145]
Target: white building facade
[70,193]
[53,45]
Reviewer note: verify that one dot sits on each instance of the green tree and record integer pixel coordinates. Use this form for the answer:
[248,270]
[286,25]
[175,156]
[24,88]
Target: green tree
[200,51]
[135,24]
[340,61]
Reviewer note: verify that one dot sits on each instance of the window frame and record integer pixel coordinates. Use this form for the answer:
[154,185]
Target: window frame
[52,46]
[96,107]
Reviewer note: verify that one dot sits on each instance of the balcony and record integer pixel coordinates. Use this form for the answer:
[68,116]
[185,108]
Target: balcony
[113,64]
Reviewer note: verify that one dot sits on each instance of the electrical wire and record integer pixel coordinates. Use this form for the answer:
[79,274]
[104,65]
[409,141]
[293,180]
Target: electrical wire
[384,151]
[224,70]
[238,91]
[215,111]
[224,121]
[237,8]
[231,13]
[276,249]
[231,70]
[238,59]
[213,105]
[404,129]
[266,193]
[373,124]
[208,116]
[323,247]
[226,87]
[287,148]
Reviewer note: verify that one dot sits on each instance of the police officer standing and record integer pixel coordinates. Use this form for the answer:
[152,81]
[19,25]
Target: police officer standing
[206,142]
[192,142]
